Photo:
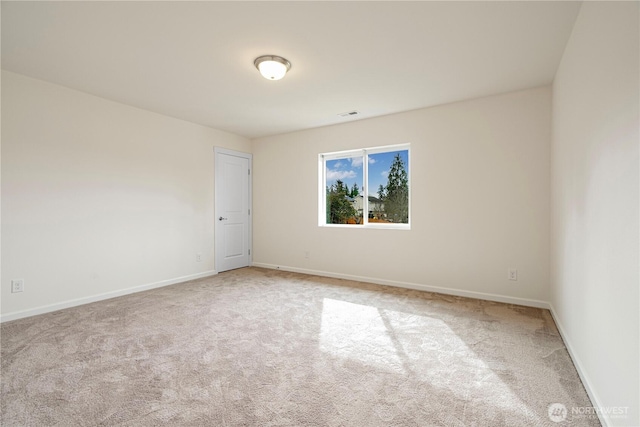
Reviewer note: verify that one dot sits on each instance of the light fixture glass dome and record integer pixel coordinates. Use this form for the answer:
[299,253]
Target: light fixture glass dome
[272,67]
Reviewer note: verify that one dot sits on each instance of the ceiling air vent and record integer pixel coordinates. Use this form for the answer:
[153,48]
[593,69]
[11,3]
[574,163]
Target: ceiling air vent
[349,114]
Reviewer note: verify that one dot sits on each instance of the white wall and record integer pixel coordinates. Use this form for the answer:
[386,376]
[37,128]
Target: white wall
[595,215]
[480,199]
[99,197]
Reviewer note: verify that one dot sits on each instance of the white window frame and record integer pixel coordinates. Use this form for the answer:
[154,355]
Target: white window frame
[364,152]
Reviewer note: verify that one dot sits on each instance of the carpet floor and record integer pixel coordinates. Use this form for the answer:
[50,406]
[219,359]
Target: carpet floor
[257,347]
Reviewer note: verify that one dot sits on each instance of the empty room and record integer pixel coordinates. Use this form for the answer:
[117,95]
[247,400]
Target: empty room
[320,213]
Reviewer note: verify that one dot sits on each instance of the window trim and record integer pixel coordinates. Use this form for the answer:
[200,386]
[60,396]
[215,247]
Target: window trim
[362,152]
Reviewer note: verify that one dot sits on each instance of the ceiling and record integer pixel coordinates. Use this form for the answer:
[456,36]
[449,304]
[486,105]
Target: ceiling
[194,60]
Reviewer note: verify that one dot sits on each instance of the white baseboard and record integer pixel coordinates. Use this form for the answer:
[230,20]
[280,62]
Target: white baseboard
[107,295]
[416,286]
[595,401]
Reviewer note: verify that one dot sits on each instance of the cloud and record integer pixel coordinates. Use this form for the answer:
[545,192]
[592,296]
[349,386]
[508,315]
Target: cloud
[356,162]
[333,175]
[385,173]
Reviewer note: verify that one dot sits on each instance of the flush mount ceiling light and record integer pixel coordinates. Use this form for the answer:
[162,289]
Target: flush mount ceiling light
[272,67]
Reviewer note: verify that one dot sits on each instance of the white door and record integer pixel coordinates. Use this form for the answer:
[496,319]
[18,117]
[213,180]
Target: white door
[232,210]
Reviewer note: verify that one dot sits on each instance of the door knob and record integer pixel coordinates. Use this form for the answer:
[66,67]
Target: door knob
[222,219]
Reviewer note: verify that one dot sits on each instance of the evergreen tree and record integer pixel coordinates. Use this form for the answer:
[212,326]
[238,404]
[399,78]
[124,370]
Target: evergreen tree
[396,200]
[355,191]
[339,208]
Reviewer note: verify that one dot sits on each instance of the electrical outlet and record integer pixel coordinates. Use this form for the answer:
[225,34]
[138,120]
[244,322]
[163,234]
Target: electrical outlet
[198,257]
[17,285]
[306,254]
[513,274]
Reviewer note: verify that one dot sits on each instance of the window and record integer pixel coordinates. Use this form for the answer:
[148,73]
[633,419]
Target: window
[365,188]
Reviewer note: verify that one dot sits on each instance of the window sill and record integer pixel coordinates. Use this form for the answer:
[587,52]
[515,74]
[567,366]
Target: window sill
[369,226]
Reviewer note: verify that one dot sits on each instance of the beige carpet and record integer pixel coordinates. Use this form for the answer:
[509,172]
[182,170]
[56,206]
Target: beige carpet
[259,347]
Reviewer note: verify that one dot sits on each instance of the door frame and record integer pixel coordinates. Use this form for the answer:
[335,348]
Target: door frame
[217,184]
